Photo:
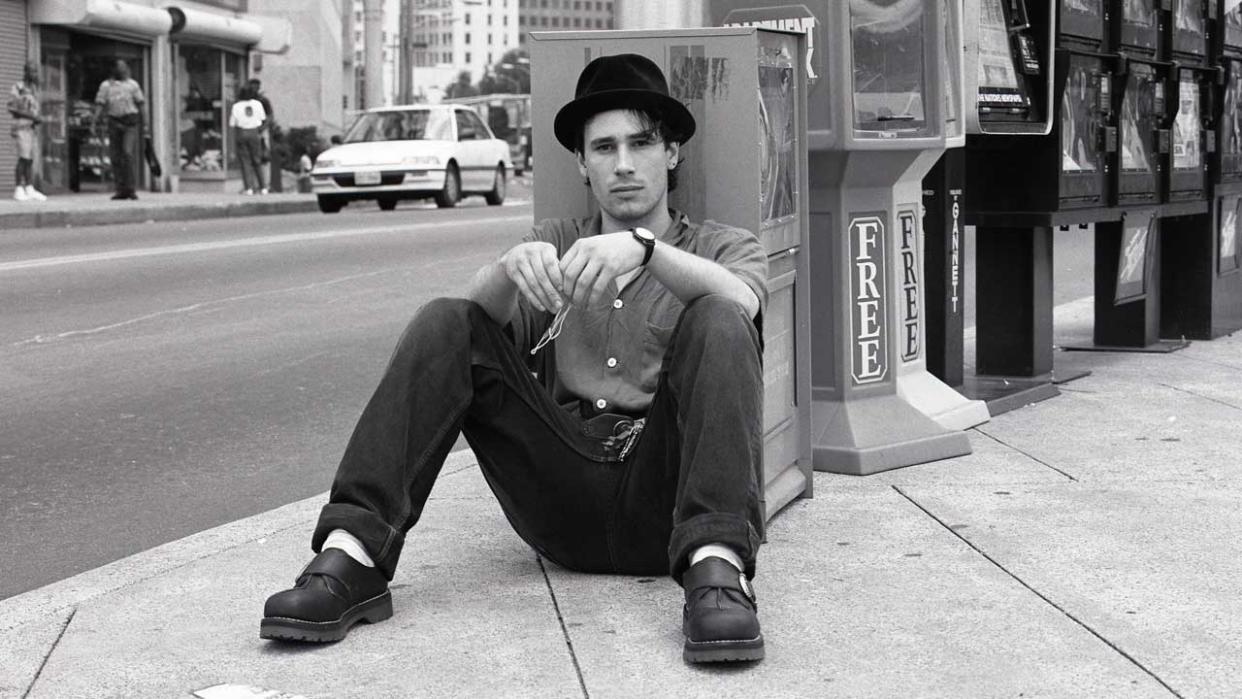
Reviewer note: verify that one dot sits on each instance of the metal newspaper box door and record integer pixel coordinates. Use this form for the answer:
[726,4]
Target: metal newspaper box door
[745,166]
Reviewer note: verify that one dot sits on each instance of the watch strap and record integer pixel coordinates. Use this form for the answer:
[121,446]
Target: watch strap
[648,243]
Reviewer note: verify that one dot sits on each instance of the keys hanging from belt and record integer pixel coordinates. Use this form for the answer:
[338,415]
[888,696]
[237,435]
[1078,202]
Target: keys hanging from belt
[630,432]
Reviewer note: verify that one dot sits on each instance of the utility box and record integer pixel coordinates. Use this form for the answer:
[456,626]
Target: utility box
[745,166]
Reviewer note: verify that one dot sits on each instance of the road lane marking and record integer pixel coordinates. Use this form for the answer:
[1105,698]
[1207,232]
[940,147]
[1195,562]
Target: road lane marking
[43,339]
[237,243]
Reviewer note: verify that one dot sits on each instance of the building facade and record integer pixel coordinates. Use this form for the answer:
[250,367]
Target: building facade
[564,15]
[451,36]
[190,57]
[391,39]
[14,49]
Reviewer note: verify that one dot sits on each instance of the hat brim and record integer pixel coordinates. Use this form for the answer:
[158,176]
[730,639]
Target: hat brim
[674,114]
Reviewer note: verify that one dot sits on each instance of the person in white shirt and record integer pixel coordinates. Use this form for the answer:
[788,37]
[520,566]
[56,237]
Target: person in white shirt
[247,120]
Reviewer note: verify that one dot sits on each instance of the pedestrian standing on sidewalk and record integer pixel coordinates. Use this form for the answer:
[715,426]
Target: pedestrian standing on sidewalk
[606,372]
[247,121]
[120,101]
[269,120]
[24,108]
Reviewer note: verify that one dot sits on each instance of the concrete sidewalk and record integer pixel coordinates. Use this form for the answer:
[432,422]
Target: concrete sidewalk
[97,209]
[1087,548]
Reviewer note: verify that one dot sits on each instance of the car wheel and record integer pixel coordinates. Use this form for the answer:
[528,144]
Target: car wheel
[387,204]
[496,197]
[330,204]
[448,197]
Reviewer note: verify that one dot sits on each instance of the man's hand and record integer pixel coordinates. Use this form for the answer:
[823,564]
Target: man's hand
[591,265]
[533,267]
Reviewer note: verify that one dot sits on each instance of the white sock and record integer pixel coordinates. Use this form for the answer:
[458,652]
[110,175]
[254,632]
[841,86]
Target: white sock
[719,551]
[343,540]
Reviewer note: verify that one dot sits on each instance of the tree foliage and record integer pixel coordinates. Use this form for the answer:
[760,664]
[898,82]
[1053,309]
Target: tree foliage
[511,74]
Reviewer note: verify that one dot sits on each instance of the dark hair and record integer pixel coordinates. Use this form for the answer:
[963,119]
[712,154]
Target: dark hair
[254,83]
[650,121]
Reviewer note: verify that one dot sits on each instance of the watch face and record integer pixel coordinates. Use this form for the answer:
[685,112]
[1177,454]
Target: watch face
[644,234]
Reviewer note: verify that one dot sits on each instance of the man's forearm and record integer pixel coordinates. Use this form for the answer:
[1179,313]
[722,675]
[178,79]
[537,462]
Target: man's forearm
[495,292]
[689,276]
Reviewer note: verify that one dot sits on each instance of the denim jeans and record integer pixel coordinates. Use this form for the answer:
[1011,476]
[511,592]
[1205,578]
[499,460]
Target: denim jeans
[693,477]
[122,145]
[250,157]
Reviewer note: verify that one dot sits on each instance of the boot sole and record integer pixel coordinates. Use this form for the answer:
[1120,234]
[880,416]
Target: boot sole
[372,611]
[723,651]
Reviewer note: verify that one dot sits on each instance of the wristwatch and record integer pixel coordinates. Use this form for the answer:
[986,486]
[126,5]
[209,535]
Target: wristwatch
[647,238]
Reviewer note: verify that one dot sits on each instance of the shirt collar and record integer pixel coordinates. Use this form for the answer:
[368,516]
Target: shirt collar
[675,232]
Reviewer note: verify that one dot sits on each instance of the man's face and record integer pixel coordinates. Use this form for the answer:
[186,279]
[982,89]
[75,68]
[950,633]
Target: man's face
[626,163]
[31,75]
[120,70]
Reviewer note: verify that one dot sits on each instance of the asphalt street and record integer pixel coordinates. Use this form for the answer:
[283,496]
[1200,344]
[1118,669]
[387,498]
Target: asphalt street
[163,379]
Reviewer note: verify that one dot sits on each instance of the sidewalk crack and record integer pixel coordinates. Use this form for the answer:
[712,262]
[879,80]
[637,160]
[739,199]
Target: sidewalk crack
[1179,389]
[64,627]
[1134,661]
[1027,454]
[564,630]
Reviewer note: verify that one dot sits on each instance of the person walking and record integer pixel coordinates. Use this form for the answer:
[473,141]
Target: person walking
[24,108]
[120,101]
[247,119]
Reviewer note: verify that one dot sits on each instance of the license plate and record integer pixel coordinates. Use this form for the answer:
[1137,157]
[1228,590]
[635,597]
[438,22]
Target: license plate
[367,177]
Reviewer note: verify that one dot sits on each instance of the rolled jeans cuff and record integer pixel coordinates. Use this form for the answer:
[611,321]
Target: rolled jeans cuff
[730,530]
[382,542]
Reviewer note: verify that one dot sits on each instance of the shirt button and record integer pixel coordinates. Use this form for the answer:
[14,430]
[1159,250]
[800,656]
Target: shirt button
[618,303]
[601,404]
[612,361]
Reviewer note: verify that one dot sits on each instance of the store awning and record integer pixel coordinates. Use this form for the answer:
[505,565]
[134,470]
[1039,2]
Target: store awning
[107,16]
[188,23]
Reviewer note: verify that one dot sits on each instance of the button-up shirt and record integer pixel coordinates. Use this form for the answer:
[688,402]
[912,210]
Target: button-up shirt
[26,100]
[120,97]
[610,356]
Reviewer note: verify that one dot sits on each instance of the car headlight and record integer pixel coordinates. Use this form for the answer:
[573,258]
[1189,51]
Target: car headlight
[420,160]
[326,162]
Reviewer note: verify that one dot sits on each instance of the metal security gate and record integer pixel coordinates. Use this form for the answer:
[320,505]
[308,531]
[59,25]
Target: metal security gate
[13,32]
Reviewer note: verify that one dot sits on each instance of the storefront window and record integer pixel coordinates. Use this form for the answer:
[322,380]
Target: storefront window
[207,82]
[201,121]
[75,153]
[234,75]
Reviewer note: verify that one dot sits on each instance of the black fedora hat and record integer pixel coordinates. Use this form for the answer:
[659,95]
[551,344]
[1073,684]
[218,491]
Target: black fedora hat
[623,81]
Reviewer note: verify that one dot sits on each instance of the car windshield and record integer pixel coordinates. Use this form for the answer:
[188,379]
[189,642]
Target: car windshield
[412,125]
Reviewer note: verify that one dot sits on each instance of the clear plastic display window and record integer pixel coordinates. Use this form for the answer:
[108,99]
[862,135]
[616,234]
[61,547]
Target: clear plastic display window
[1090,8]
[1080,120]
[889,67]
[1187,126]
[1188,16]
[1233,22]
[1137,121]
[1141,13]
[777,136]
[1231,121]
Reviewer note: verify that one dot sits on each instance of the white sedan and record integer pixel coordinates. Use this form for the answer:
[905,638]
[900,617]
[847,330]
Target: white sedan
[413,152]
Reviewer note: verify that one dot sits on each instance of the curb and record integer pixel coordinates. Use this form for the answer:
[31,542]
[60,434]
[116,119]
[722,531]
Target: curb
[45,602]
[143,214]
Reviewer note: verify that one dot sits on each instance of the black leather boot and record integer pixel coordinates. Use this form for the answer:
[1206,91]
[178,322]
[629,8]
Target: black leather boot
[332,593]
[719,618]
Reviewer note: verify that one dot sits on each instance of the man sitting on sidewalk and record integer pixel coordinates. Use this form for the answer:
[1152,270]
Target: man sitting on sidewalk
[635,445]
